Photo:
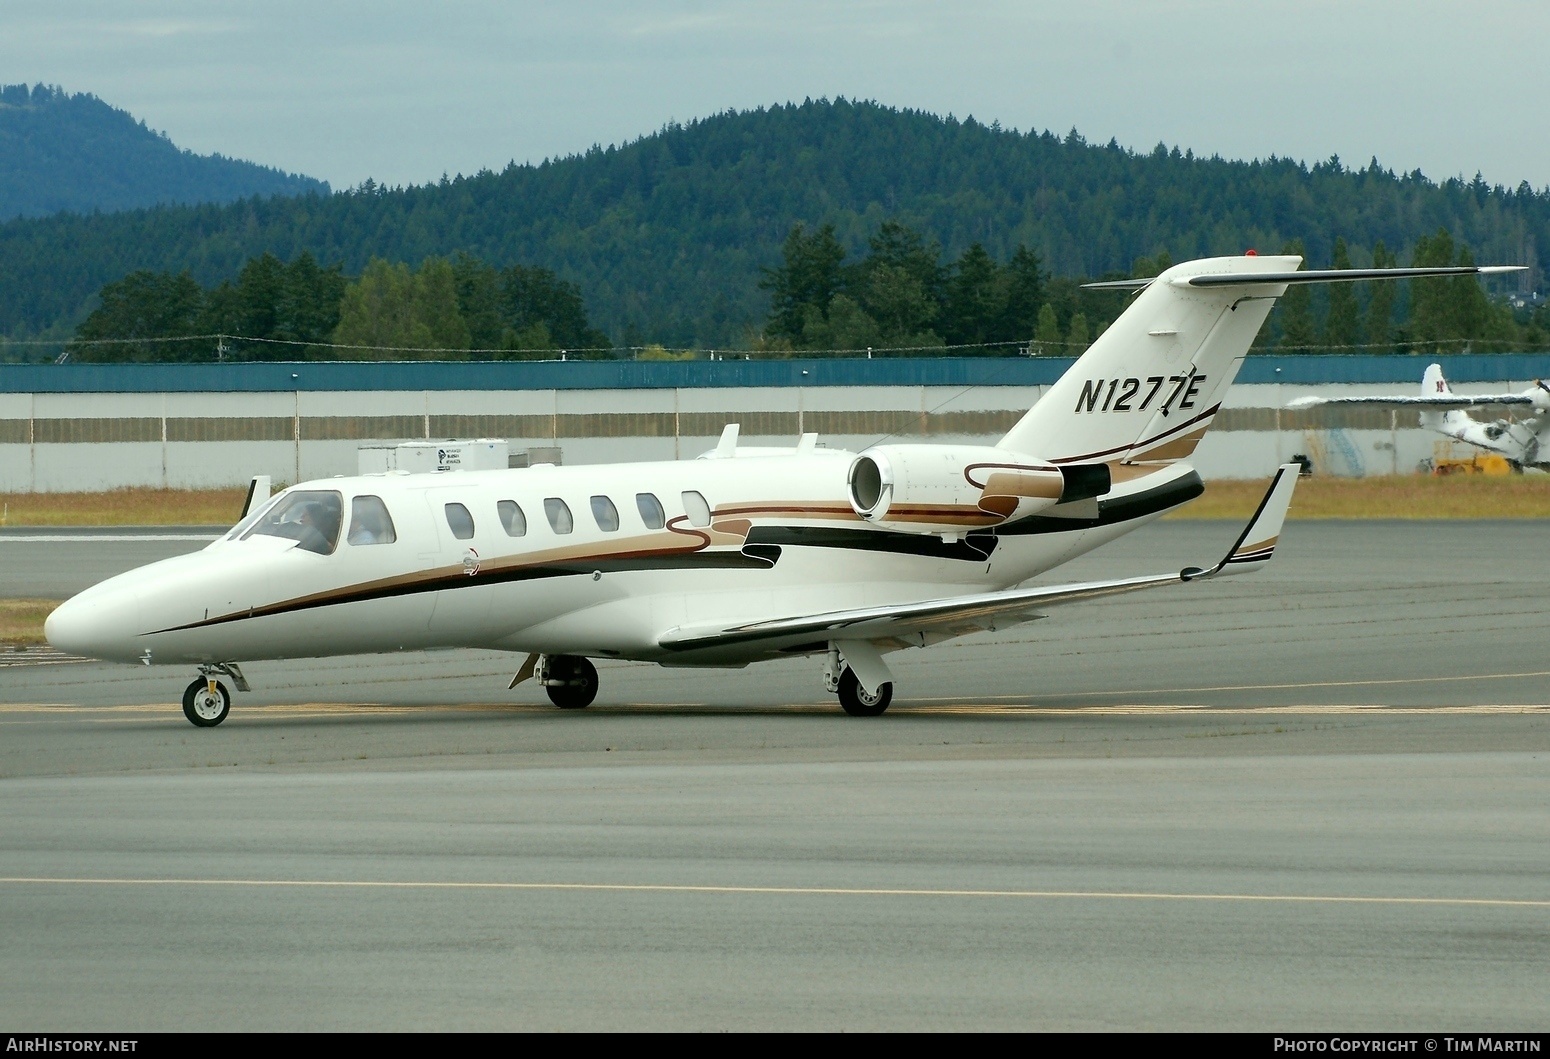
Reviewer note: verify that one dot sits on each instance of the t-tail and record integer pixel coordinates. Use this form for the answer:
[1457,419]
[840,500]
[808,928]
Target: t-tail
[1146,391]
[1148,388]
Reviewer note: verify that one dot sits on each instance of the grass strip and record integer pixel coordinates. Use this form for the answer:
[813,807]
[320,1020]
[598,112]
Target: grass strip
[124,507]
[21,620]
[1415,496]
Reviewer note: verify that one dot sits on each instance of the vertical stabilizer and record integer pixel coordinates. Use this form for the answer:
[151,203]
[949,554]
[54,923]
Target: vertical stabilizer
[1148,388]
[1434,385]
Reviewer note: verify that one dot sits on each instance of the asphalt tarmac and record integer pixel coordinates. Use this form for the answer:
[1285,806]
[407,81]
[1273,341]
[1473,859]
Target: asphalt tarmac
[1317,798]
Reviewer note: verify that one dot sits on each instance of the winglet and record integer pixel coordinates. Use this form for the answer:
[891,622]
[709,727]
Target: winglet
[1257,543]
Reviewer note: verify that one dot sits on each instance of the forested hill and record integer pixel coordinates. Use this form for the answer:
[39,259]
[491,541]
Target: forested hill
[75,152]
[666,236]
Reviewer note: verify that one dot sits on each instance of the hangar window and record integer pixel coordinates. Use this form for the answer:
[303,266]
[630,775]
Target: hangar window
[309,517]
[512,518]
[460,521]
[370,522]
[696,508]
[605,513]
[651,512]
[559,515]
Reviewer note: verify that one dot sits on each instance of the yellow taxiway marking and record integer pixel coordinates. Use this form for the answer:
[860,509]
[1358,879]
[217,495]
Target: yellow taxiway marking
[795,891]
[1290,687]
[965,709]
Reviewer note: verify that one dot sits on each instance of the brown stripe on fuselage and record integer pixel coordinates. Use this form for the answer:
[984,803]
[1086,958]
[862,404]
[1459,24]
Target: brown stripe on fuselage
[493,569]
[1177,449]
[843,512]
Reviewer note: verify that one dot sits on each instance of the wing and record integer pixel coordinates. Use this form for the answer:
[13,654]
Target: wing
[932,620]
[1441,401]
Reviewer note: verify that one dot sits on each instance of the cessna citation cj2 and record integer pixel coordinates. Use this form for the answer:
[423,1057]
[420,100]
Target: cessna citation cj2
[723,561]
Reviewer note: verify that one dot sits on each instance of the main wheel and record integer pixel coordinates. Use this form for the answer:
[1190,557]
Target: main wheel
[204,707]
[580,677]
[855,699]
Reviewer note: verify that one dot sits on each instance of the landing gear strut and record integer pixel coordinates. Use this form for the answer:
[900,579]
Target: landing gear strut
[570,680]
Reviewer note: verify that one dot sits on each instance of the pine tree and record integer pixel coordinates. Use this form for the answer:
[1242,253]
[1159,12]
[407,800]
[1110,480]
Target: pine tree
[809,277]
[1047,337]
[1024,297]
[976,294]
[438,324]
[1342,327]
[1299,333]
[1432,316]
[1380,308]
[1078,335]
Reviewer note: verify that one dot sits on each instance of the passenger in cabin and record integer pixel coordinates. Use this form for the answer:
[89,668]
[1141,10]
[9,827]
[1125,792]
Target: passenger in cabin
[370,522]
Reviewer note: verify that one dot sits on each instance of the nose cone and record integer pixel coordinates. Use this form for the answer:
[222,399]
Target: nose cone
[99,623]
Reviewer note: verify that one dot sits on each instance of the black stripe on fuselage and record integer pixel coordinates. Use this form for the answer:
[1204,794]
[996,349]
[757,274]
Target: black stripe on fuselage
[1113,510]
[974,547]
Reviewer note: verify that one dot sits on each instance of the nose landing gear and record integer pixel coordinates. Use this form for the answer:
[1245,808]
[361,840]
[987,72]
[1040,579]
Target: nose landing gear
[206,702]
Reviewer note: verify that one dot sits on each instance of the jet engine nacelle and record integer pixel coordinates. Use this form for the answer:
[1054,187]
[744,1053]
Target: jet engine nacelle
[958,488]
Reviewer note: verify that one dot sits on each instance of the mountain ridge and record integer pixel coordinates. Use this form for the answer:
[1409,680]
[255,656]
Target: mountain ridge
[63,152]
[668,236]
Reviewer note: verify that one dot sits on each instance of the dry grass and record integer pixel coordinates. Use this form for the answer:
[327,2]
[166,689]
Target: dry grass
[21,620]
[1416,496]
[1403,496]
[124,507]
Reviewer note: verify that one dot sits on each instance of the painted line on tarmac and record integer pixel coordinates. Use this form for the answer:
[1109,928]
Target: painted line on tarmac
[1293,687]
[985,709]
[778,891]
[101,538]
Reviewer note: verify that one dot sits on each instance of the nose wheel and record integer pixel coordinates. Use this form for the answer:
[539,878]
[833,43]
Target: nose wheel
[206,702]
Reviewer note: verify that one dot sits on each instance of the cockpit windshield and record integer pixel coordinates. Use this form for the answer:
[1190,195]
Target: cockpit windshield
[309,517]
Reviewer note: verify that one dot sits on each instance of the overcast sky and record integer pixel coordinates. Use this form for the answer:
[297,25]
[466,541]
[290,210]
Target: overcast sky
[405,91]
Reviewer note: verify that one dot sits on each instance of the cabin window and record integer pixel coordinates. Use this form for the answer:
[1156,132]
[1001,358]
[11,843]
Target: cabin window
[651,512]
[696,508]
[460,521]
[370,522]
[605,513]
[310,517]
[559,515]
[512,518]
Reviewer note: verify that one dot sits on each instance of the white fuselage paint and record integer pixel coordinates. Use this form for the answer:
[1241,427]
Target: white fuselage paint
[589,592]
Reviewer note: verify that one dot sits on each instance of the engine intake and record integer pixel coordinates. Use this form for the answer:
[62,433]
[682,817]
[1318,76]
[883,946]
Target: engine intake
[956,488]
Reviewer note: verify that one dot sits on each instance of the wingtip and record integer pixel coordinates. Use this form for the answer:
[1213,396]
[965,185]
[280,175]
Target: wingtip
[1257,543]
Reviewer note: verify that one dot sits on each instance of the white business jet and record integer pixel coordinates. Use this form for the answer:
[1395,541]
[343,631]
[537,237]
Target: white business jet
[1525,442]
[746,556]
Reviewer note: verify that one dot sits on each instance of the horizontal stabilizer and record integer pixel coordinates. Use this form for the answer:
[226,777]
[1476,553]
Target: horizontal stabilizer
[915,624]
[1435,401]
[1325,275]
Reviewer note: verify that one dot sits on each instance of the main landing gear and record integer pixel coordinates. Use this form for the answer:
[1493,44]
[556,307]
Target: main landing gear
[570,680]
[206,702]
[855,699]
